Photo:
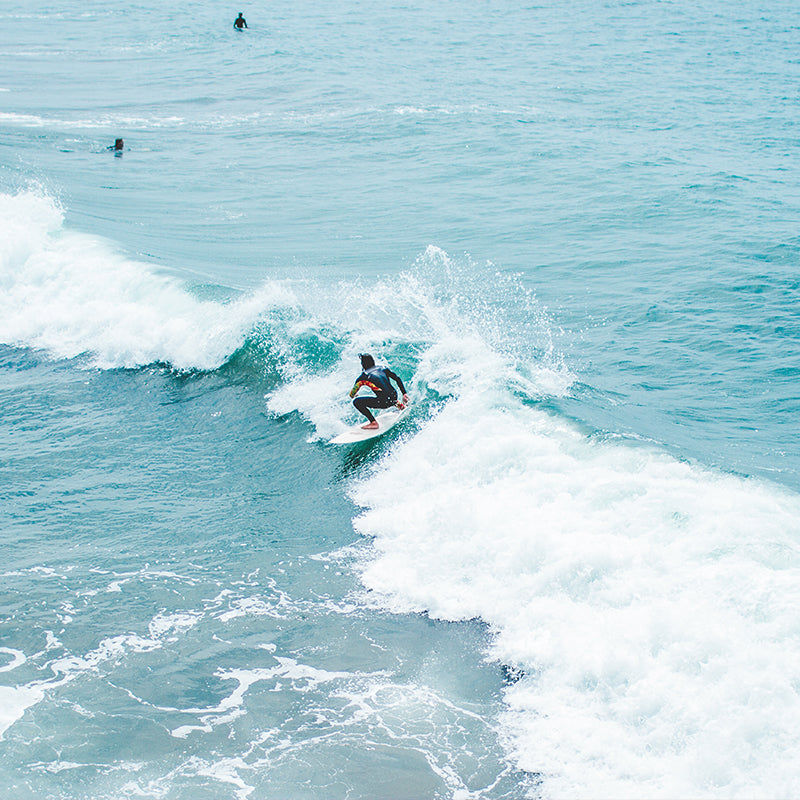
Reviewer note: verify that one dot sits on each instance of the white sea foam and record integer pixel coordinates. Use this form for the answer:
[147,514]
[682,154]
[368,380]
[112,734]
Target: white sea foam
[302,677]
[15,659]
[650,604]
[172,626]
[332,714]
[164,629]
[73,295]
[14,701]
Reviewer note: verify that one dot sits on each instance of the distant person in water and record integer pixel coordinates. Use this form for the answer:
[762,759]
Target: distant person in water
[118,145]
[377,379]
[240,22]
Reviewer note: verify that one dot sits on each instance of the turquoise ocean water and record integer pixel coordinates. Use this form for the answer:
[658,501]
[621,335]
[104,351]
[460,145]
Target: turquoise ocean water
[572,228]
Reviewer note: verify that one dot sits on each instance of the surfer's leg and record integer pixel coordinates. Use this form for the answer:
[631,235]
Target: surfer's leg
[363,404]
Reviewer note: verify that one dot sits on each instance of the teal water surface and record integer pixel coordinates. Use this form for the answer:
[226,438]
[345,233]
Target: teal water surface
[572,229]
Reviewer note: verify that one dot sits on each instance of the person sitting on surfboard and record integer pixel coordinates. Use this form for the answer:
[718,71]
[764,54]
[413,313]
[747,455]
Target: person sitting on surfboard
[377,379]
[240,22]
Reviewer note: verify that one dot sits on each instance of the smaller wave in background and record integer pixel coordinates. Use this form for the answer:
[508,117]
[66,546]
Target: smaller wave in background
[73,296]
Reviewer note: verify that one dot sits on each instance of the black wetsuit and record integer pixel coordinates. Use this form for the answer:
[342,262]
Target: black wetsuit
[377,379]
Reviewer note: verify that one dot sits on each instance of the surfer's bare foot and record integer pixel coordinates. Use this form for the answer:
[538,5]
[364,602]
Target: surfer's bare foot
[370,426]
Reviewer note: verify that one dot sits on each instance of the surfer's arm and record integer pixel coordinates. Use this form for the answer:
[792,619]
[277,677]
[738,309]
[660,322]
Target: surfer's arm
[363,380]
[399,382]
[396,379]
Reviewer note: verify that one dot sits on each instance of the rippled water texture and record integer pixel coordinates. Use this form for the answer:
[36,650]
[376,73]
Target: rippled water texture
[571,571]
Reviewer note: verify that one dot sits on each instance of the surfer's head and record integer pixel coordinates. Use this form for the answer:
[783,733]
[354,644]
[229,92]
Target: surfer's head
[367,361]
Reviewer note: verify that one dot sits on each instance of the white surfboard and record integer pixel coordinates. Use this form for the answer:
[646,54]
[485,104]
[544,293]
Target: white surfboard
[386,419]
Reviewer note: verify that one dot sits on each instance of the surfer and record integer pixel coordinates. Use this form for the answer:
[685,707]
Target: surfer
[240,22]
[118,146]
[379,380]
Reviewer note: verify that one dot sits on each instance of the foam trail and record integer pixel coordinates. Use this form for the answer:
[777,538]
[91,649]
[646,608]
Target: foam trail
[651,605]
[14,701]
[72,295]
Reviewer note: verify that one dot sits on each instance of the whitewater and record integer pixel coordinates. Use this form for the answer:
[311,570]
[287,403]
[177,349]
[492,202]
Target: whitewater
[571,572]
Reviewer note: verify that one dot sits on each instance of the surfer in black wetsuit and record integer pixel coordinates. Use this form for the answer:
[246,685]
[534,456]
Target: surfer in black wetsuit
[240,22]
[379,380]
